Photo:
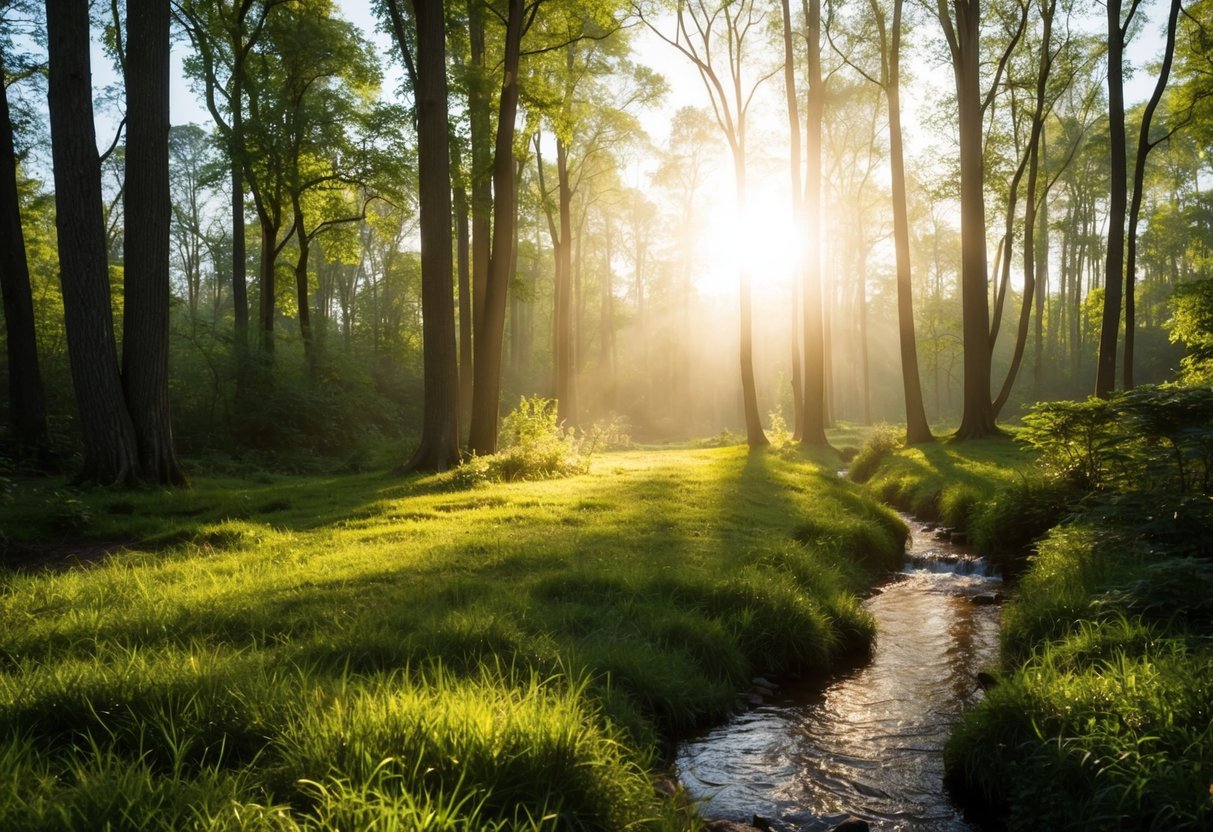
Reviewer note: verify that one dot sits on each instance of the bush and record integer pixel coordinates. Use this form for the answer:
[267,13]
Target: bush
[534,447]
[1149,438]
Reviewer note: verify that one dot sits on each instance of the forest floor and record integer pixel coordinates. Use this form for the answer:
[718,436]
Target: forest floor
[340,652]
[1102,715]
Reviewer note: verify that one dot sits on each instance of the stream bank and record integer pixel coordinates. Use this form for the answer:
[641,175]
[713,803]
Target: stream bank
[866,746]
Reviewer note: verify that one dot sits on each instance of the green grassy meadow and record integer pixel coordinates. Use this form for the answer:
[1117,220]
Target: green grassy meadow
[369,651]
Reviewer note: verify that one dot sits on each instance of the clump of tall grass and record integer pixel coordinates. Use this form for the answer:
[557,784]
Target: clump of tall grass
[487,750]
[879,446]
[1111,727]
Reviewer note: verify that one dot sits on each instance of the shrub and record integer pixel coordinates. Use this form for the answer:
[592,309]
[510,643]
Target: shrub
[534,447]
[1149,438]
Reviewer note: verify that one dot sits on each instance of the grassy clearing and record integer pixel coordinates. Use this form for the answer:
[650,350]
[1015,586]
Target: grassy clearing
[375,652]
[1103,714]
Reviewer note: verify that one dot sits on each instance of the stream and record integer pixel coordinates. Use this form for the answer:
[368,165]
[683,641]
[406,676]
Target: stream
[869,743]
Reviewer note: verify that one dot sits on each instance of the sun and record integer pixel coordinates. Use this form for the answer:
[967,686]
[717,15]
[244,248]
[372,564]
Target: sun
[763,237]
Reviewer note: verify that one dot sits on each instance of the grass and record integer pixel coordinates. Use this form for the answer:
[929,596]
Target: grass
[375,652]
[992,490]
[1104,719]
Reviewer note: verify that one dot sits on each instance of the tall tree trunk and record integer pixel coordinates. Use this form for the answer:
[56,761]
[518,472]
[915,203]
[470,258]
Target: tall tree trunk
[439,447]
[1030,203]
[794,165]
[240,309]
[463,268]
[26,402]
[147,209]
[111,453]
[1042,278]
[486,391]
[566,387]
[482,164]
[1105,373]
[977,419]
[814,432]
[749,393]
[606,338]
[301,287]
[266,275]
[1144,146]
[917,428]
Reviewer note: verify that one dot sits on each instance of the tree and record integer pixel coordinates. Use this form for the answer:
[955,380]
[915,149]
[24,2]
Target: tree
[147,210]
[962,29]
[486,369]
[110,450]
[794,166]
[814,409]
[584,97]
[1144,145]
[439,447]
[1031,160]
[224,35]
[701,26]
[888,40]
[27,404]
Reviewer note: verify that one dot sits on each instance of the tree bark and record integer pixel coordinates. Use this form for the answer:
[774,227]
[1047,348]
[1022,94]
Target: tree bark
[240,309]
[26,402]
[301,287]
[755,437]
[486,390]
[463,269]
[1030,202]
[1144,146]
[439,447]
[566,382]
[814,433]
[917,428]
[111,453]
[1105,373]
[147,210]
[267,280]
[482,174]
[977,419]
[794,165]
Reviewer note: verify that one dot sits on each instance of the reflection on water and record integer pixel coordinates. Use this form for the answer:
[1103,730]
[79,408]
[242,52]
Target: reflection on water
[870,743]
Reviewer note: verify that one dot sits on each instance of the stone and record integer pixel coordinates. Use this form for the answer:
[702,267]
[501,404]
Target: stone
[987,598]
[960,538]
[852,824]
[763,682]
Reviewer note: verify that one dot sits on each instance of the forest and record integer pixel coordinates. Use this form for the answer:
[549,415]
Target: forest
[463,415]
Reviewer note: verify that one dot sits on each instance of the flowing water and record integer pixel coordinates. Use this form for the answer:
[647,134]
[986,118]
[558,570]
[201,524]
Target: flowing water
[869,743]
